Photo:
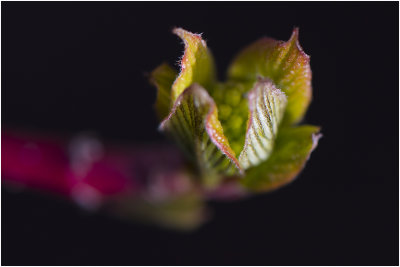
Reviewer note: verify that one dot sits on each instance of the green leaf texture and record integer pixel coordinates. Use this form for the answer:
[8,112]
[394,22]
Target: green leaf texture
[197,64]
[285,63]
[266,108]
[194,123]
[251,114]
[292,150]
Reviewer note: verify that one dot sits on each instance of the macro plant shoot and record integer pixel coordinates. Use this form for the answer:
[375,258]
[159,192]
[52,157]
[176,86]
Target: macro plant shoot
[245,132]
[200,133]
[233,139]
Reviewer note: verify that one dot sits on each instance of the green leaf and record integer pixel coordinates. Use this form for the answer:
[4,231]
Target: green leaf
[292,150]
[266,108]
[197,64]
[269,86]
[193,123]
[285,63]
[163,77]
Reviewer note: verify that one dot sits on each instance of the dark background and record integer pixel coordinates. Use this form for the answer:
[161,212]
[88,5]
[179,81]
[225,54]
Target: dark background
[71,67]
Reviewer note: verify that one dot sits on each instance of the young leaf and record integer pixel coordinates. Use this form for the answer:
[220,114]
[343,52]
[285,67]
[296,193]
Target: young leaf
[285,63]
[194,123]
[292,150]
[163,77]
[197,64]
[266,108]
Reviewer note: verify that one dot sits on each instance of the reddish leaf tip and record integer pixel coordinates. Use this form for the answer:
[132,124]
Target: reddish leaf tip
[294,38]
[182,33]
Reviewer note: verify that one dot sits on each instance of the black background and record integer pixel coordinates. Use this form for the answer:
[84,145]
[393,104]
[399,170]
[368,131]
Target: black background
[70,67]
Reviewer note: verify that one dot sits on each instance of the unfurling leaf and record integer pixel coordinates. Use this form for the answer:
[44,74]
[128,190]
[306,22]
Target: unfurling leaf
[193,123]
[292,150]
[285,63]
[266,108]
[197,64]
